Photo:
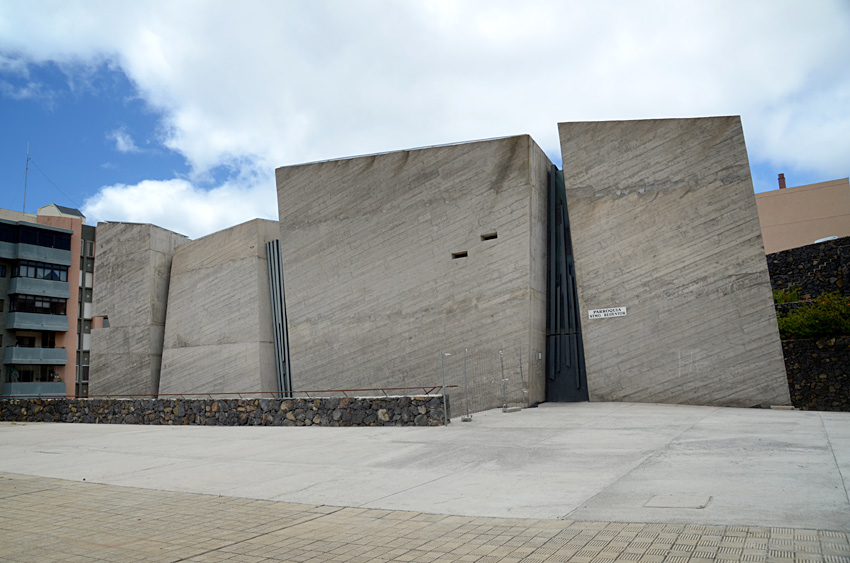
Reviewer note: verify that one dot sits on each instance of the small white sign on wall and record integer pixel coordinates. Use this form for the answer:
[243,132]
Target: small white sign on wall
[607,313]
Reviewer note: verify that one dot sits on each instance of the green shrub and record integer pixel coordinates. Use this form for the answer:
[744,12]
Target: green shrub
[827,315]
[786,295]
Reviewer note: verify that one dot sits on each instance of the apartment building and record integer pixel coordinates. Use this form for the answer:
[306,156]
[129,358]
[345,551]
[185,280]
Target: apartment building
[46,277]
[794,217]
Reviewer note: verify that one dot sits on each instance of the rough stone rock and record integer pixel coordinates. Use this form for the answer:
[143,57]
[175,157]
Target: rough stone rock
[819,373]
[381,411]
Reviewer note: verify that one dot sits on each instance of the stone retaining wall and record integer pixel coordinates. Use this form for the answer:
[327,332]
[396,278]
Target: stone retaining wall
[818,370]
[819,373]
[814,268]
[423,410]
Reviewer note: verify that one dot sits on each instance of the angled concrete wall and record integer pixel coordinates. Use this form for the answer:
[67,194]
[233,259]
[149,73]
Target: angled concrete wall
[130,288]
[373,293]
[664,223]
[218,329]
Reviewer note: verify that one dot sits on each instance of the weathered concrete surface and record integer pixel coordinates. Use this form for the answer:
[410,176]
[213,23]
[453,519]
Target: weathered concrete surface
[620,462]
[664,223]
[218,329]
[131,288]
[373,294]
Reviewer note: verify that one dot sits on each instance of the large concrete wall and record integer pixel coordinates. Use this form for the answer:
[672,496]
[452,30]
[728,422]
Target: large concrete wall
[664,223]
[131,288]
[373,293]
[218,329]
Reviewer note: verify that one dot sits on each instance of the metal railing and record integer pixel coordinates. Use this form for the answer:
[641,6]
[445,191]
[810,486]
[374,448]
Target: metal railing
[310,393]
[487,378]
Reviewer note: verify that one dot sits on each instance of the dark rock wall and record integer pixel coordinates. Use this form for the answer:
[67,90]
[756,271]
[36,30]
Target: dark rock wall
[819,373]
[425,410]
[818,370]
[814,268]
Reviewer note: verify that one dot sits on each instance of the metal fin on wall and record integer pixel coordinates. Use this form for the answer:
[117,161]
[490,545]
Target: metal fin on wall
[566,378]
[278,305]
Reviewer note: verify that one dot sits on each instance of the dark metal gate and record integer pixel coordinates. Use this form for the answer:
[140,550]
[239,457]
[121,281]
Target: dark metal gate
[566,379]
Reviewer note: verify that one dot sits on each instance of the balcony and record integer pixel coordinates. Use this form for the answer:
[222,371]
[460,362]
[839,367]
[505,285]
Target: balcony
[35,356]
[43,254]
[36,321]
[23,251]
[8,250]
[34,389]
[46,288]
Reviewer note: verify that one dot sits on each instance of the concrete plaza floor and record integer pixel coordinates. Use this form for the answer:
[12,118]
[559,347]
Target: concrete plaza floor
[602,475]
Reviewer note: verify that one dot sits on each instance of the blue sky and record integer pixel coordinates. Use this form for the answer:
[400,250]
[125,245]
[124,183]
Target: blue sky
[81,136]
[177,113]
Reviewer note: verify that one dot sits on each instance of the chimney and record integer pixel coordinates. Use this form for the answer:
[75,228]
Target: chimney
[782,181]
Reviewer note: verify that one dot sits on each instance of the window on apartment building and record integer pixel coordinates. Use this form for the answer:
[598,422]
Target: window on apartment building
[48,339]
[87,295]
[89,265]
[25,341]
[2,270]
[40,271]
[28,236]
[27,373]
[37,304]
[8,233]
[88,248]
[49,239]
[2,306]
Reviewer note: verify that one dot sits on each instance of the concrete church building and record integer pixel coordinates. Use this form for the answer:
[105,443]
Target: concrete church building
[130,296]
[636,273]
[406,254]
[181,316]
[218,328]
[409,253]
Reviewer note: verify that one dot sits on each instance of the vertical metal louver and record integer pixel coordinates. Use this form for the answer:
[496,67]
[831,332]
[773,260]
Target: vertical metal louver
[279,327]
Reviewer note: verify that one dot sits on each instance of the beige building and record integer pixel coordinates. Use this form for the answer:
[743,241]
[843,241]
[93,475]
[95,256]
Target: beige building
[793,217]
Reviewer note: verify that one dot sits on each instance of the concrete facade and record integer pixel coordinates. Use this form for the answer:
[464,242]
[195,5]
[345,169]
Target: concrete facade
[130,296]
[392,259]
[218,328]
[664,223]
[795,217]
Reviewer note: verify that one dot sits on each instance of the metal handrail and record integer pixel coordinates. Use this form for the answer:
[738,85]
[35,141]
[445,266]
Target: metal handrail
[426,389]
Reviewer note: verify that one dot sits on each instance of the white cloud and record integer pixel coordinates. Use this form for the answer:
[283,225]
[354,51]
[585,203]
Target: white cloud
[268,83]
[123,140]
[184,207]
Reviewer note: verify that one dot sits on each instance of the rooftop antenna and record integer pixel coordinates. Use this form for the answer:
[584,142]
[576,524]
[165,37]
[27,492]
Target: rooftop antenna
[26,172]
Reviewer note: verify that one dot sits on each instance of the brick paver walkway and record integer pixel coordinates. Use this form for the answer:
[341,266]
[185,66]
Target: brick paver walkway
[54,520]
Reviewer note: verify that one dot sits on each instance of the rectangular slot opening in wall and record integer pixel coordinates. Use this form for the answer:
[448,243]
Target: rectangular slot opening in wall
[456,255]
[490,236]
